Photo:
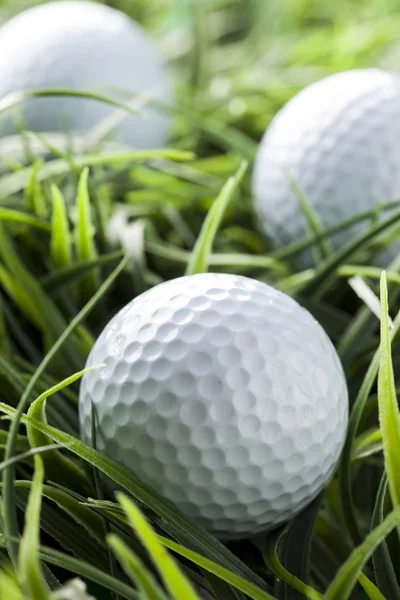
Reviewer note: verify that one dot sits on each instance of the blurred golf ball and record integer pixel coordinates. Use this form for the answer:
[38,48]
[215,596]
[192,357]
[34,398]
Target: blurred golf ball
[339,139]
[224,395]
[88,47]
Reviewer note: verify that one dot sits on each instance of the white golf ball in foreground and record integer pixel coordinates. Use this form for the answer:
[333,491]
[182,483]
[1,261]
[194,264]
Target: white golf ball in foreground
[224,395]
[339,139]
[84,46]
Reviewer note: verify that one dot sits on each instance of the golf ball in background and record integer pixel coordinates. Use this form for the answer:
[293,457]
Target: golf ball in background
[224,395]
[339,139]
[84,46]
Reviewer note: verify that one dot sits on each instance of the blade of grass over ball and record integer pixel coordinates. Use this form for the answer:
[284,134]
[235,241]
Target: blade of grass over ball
[346,578]
[58,467]
[84,235]
[136,570]
[383,565]
[29,569]
[61,243]
[326,269]
[174,580]
[16,182]
[16,98]
[230,260]
[345,468]
[389,417]
[199,259]
[10,517]
[54,150]
[296,247]
[171,520]
[323,249]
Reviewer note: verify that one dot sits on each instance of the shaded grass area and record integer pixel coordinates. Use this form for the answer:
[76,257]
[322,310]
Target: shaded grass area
[236,62]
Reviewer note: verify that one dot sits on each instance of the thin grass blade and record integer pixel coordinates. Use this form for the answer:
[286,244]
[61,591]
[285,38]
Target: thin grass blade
[136,570]
[174,580]
[61,244]
[346,578]
[199,259]
[389,416]
[29,569]
[84,235]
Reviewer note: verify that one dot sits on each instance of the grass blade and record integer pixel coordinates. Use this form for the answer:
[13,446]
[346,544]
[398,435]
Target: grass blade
[234,580]
[84,242]
[34,193]
[387,401]
[59,468]
[345,480]
[174,580]
[295,554]
[322,249]
[16,98]
[199,259]
[136,570]
[29,571]
[17,216]
[55,281]
[28,454]
[348,574]
[273,562]
[383,566]
[61,247]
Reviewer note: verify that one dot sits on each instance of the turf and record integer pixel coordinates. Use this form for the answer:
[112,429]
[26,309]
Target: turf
[235,62]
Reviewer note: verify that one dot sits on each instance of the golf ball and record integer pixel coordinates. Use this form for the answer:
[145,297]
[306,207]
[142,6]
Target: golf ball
[339,140]
[224,395]
[83,46]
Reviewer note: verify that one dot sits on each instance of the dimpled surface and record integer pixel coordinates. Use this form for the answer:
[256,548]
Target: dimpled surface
[223,394]
[340,140]
[85,46]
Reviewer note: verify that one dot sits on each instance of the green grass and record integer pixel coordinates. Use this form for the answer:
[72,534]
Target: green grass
[236,62]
